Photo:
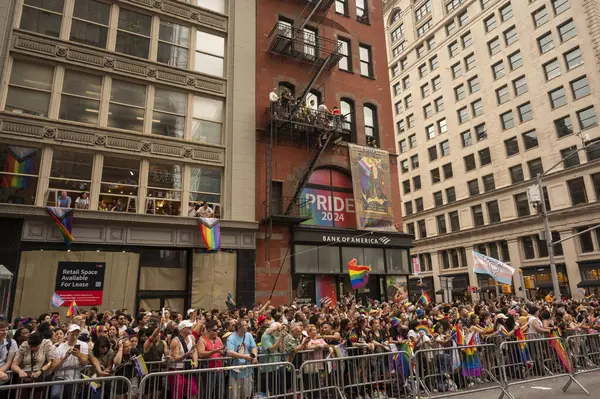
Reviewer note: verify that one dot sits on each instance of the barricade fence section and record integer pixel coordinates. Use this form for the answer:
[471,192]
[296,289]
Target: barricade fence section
[584,350]
[377,375]
[336,372]
[535,360]
[266,380]
[88,388]
[456,370]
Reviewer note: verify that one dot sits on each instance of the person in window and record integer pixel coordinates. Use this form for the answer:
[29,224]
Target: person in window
[70,357]
[205,211]
[64,201]
[193,209]
[33,359]
[82,202]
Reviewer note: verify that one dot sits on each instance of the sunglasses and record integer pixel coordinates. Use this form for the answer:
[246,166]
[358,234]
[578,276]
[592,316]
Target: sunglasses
[215,330]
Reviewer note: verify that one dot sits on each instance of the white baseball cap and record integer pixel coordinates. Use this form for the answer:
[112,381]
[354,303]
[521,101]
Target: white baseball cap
[185,324]
[73,327]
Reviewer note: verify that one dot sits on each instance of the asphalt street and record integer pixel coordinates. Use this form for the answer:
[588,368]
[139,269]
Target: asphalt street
[551,388]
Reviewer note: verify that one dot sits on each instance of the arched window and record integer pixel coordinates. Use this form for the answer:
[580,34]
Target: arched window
[395,16]
[347,110]
[370,117]
[313,95]
[287,85]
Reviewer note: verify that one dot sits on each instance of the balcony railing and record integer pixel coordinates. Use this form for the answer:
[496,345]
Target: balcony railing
[299,212]
[304,46]
[306,119]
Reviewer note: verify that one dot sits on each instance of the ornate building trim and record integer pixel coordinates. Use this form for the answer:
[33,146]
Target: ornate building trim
[110,62]
[102,139]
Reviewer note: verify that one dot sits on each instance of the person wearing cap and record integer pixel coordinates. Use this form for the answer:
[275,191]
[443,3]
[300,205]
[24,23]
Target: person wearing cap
[71,357]
[242,348]
[185,357]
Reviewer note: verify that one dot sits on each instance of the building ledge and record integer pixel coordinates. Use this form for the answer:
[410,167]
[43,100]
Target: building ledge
[25,211]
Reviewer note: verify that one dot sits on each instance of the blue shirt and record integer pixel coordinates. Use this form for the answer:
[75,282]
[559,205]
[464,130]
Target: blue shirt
[243,346]
[64,202]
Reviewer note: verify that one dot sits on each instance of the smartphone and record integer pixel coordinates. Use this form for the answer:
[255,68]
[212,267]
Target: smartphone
[78,347]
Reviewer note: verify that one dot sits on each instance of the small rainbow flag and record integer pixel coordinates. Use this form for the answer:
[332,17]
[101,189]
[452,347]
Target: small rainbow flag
[56,300]
[425,298]
[557,345]
[359,275]
[395,321]
[63,217]
[210,228]
[73,309]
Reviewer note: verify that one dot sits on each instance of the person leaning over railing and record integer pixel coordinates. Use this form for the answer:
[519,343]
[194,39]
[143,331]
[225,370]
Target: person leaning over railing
[210,346]
[70,358]
[31,363]
[242,348]
[8,350]
[102,359]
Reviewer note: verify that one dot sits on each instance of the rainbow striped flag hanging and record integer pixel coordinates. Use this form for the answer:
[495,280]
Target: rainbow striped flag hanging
[73,309]
[523,350]
[425,298]
[63,217]
[20,161]
[557,345]
[210,228]
[359,275]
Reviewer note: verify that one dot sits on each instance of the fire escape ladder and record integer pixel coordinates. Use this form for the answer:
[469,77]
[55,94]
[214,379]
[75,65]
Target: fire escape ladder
[308,17]
[307,170]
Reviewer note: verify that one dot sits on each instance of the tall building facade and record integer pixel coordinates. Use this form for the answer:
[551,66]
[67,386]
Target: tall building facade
[130,112]
[314,56]
[487,94]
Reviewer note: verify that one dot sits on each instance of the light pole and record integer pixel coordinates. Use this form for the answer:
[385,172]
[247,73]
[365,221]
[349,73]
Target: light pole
[536,198]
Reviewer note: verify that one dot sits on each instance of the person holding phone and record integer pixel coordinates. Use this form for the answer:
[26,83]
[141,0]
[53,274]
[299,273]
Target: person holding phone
[70,358]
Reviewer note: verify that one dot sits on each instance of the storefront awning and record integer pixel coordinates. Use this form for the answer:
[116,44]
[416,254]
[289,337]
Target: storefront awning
[589,283]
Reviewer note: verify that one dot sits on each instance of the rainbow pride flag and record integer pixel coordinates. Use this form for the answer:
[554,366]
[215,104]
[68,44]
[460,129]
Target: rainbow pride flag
[20,161]
[63,217]
[359,275]
[73,309]
[522,347]
[558,347]
[210,229]
[425,298]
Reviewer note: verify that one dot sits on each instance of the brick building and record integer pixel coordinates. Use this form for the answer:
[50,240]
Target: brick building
[332,53]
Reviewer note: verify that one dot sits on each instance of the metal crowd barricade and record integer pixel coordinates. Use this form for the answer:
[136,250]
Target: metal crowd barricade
[267,380]
[584,350]
[535,360]
[374,375]
[89,388]
[458,370]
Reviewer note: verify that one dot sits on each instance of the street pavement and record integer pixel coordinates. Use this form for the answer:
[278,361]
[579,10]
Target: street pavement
[547,389]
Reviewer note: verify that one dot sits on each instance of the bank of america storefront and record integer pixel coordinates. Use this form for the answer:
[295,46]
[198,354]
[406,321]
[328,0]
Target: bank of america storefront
[321,256]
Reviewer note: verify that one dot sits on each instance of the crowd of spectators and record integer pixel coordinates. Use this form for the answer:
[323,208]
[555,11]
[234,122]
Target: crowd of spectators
[36,348]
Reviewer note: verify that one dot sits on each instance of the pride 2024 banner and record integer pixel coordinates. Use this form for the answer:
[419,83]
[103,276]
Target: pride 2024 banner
[372,190]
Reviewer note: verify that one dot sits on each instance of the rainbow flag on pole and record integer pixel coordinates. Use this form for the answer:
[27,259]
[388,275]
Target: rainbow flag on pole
[210,228]
[359,275]
[425,298]
[73,309]
[63,217]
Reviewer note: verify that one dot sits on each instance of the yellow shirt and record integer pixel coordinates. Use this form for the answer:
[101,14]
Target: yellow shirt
[549,298]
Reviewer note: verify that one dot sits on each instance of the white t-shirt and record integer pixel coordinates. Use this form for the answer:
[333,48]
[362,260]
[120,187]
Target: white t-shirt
[72,363]
[273,97]
[4,352]
[82,203]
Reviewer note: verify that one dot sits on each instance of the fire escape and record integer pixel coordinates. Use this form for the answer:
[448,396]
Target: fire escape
[297,123]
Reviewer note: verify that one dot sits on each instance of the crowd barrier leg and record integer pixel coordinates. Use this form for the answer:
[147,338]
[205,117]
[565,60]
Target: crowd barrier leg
[536,360]
[460,370]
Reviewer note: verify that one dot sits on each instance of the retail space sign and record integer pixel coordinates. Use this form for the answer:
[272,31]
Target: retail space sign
[82,282]
[372,190]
